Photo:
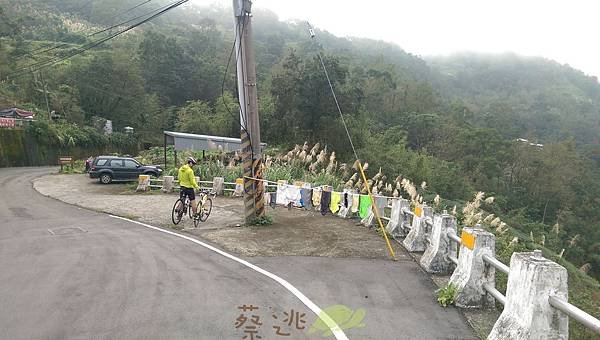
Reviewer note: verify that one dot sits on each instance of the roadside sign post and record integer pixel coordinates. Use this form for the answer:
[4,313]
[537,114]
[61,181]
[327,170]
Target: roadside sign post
[65,160]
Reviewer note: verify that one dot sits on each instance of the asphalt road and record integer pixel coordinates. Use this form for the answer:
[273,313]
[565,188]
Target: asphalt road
[69,273]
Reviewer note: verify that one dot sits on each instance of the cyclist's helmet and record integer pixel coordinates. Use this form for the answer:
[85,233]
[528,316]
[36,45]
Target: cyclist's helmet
[191,160]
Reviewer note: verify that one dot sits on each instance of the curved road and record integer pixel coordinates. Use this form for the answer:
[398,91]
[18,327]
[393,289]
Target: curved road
[69,273]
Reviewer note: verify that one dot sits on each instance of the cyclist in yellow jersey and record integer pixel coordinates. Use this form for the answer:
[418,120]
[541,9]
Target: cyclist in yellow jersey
[187,183]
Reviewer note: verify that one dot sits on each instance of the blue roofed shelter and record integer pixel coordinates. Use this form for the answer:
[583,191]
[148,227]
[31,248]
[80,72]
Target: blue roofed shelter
[193,142]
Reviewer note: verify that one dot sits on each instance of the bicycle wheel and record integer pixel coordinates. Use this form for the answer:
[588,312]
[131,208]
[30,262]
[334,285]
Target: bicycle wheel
[178,211]
[196,220]
[190,211]
[206,207]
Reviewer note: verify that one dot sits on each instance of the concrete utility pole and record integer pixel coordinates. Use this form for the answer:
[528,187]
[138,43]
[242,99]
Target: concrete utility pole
[250,131]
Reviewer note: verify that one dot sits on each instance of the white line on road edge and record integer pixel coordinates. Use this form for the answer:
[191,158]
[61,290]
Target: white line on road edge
[333,326]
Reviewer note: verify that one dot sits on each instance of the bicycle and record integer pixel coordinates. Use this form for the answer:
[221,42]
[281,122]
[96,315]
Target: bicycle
[203,207]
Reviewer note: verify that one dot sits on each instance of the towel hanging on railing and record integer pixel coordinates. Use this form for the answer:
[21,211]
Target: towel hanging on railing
[306,194]
[365,204]
[325,202]
[334,206]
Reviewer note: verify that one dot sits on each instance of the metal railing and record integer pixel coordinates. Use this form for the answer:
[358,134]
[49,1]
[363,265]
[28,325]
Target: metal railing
[494,262]
[495,293]
[452,236]
[158,183]
[587,320]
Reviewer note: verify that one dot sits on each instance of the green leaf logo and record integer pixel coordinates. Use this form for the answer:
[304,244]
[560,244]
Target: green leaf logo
[345,317]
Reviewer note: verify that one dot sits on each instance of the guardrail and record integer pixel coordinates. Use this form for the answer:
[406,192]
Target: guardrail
[537,288]
[170,184]
[584,318]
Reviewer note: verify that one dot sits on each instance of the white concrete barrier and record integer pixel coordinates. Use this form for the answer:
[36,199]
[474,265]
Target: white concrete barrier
[143,183]
[527,313]
[398,225]
[436,258]
[239,188]
[417,236]
[218,185]
[472,273]
[168,184]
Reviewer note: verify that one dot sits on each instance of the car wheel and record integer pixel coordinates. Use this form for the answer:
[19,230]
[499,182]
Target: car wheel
[105,178]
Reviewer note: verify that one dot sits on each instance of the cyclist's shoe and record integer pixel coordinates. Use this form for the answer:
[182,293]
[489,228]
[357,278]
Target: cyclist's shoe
[196,216]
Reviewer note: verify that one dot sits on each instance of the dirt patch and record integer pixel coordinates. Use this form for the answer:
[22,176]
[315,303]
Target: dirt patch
[294,232]
[304,233]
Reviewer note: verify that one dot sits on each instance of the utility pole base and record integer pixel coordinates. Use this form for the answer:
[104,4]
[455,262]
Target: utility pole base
[254,205]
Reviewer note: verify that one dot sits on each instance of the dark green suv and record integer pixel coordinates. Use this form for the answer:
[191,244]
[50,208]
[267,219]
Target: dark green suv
[109,168]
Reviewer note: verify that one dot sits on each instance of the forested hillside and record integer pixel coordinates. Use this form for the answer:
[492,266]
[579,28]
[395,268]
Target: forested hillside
[523,96]
[453,122]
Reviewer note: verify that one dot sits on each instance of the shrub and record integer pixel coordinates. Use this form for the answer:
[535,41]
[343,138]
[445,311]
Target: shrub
[262,221]
[446,295]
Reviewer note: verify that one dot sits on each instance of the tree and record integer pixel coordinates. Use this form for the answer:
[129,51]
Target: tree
[168,70]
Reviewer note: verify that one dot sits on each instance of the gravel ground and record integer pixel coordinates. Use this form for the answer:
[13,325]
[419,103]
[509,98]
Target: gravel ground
[120,199]
[294,232]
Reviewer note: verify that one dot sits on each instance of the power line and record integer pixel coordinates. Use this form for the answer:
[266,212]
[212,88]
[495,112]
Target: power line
[128,21]
[31,53]
[337,104]
[133,8]
[93,44]
[40,51]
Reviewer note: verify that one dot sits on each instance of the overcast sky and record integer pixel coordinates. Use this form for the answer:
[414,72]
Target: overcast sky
[565,31]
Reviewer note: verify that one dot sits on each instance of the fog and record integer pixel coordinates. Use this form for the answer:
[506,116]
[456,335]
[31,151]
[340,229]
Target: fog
[565,31]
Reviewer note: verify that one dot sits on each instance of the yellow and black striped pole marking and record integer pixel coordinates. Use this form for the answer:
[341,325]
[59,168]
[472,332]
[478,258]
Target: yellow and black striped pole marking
[249,210]
[259,203]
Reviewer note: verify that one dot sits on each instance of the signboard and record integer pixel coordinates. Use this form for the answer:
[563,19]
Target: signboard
[7,122]
[65,160]
[467,239]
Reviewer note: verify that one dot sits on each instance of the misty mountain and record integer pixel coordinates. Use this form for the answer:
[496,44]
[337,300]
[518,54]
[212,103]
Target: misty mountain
[525,96]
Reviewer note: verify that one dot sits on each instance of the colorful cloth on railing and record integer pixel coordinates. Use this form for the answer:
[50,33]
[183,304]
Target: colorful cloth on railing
[355,202]
[287,194]
[334,206]
[364,206]
[306,194]
[316,197]
[325,202]
[272,199]
[293,195]
[280,196]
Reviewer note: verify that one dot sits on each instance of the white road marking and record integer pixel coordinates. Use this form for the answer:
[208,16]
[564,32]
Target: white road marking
[333,326]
